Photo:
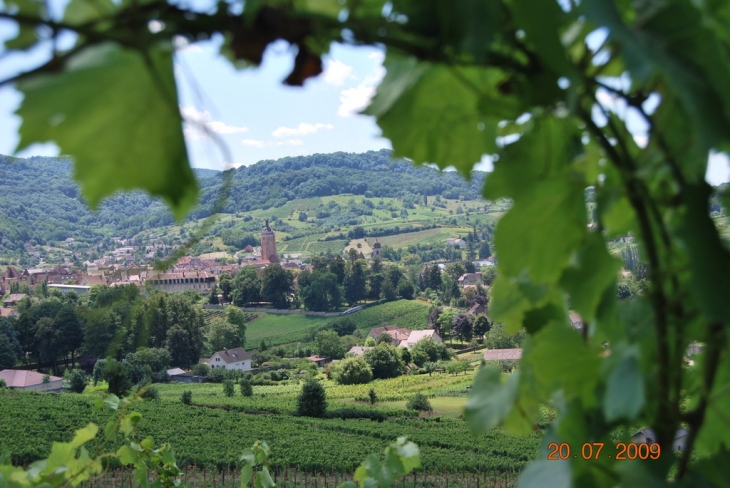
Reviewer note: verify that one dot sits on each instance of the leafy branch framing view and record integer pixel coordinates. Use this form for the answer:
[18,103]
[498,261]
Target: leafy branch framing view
[549,90]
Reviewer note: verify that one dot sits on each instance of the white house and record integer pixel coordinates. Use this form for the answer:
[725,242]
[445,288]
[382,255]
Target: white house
[455,241]
[419,335]
[647,436]
[30,380]
[231,359]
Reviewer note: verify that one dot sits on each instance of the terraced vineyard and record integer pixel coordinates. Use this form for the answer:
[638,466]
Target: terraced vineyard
[202,435]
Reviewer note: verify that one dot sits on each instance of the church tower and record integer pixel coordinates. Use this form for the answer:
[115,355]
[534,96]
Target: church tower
[268,244]
[376,249]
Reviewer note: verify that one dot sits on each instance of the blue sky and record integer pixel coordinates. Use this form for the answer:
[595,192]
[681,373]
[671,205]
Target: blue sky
[253,114]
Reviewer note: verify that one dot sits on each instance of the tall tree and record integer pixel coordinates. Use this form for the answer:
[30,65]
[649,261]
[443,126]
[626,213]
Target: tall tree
[462,326]
[50,342]
[354,282]
[277,285]
[246,287]
[69,325]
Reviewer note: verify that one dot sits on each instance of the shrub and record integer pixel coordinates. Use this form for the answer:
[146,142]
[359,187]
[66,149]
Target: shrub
[201,369]
[384,361]
[353,371]
[187,397]
[151,393]
[353,413]
[228,388]
[419,402]
[77,379]
[372,396]
[115,374]
[216,375]
[246,387]
[3,385]
[312,401]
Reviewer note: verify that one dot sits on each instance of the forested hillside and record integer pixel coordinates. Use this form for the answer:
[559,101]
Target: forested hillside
[41,203]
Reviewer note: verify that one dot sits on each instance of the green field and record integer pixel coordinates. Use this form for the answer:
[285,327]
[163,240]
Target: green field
[280,329]
[215,429]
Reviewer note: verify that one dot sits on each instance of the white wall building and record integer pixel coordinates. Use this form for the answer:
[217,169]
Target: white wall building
[231,359]
[419,335]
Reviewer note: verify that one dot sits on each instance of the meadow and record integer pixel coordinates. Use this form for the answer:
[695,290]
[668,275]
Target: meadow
[278,329]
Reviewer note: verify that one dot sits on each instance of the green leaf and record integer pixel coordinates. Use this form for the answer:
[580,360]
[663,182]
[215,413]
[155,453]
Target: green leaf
[129,422]
[409,453]
[112,402]
[542,23]
[84,435]
[547,368]
[625,391]
[712,437]
[555,210]
[651,45]
[379,471]
[246,475]
[544,150]
[82,11]
[709,258]
[263,478]
[118,118]
[451,129]
[591,273]
[546,474]
[329,8]
[490,400]
[127,455]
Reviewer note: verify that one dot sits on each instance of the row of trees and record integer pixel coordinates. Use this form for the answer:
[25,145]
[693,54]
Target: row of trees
[114,322]
[332,281]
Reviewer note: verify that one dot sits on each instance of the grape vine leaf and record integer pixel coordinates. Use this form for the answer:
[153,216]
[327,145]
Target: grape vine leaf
[593,270]
[625,390]
[118,116]
[490,400]
[450,129]
[546,474]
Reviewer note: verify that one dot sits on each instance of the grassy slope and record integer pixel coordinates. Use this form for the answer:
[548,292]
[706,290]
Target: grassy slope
[281,329]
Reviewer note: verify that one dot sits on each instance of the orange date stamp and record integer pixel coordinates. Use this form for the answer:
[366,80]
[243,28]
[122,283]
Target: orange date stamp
[594,450]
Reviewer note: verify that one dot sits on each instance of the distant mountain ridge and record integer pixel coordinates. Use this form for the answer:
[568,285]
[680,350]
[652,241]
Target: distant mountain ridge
[40,203]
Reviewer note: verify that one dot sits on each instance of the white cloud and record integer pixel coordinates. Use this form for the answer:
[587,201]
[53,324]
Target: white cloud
[199,123]
[300,130]
[222,128]
[337,73]
[353,100]
[260,144]
[253,143]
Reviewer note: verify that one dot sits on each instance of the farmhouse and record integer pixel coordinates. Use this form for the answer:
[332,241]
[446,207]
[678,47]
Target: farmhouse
[397,334]
[576,321]
[13,299]
[30,380]
[231,359]
[359,350]
[470,279]
[455,241]
[319,360]
[419,335]
[8,312]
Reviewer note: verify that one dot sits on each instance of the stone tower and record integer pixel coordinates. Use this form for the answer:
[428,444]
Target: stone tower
[268,244]
[376,249]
